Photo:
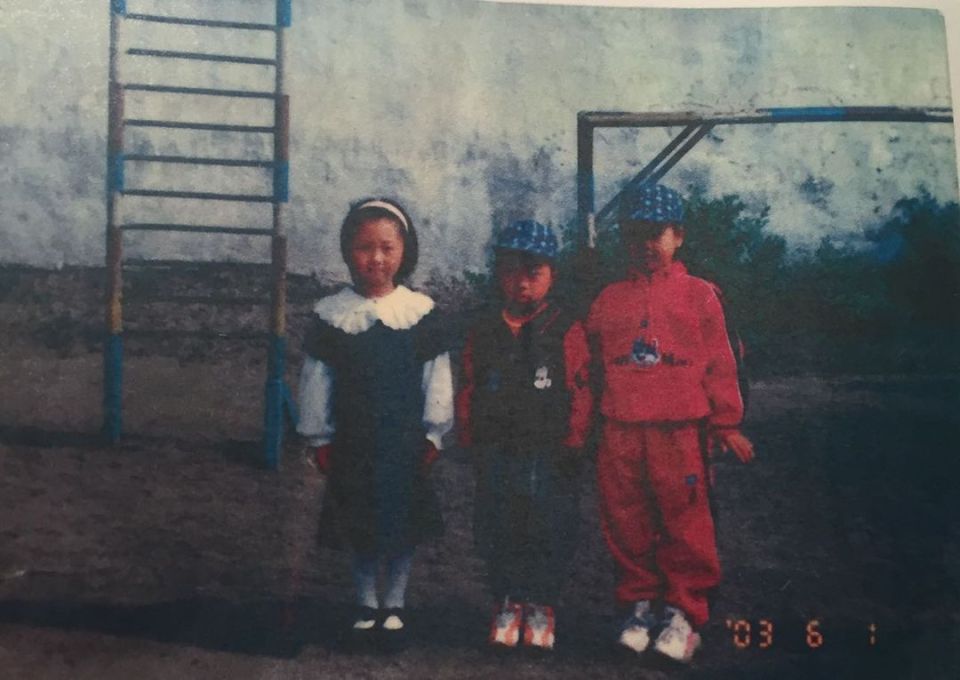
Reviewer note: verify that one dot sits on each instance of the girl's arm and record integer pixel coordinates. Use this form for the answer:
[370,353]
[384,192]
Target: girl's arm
[437,388]
[316,418]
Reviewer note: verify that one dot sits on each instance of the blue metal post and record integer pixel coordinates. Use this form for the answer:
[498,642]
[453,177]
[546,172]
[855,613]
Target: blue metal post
[113,342]
[585,188]
[276,394]
[281,181]
[113,387]
[274,401]
[115,173]
[284,13]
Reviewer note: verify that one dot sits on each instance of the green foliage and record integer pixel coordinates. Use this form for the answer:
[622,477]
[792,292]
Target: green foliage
[921,244]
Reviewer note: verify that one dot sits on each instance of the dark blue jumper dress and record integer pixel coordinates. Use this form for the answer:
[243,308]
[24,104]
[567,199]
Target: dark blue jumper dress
[378,501]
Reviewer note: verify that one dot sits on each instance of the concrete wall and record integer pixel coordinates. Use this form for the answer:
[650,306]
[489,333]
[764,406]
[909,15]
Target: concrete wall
[466,112]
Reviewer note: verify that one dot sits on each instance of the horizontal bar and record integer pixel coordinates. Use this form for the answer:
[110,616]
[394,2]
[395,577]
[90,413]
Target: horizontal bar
[197,228]
[202,195]
[198,160]
[200,56]
[160,334]
[132,294]
[771,115]
[208,23]
[206,265]
[206,91]
[857,113]
[217,127]
[144,298]
[815,111]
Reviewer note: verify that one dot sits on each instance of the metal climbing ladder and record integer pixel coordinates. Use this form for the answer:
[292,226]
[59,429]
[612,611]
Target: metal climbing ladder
[277,404]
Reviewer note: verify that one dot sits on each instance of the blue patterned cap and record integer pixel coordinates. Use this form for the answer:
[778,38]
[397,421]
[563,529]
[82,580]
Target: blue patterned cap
[651,203]
[528,236]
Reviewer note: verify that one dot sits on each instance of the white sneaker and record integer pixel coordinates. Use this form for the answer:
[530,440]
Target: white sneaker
[505,628]
[539,626]
[635,632]
[678,640]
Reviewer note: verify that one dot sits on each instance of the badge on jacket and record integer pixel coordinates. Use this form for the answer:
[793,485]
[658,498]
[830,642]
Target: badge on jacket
[542,379]
[645,354]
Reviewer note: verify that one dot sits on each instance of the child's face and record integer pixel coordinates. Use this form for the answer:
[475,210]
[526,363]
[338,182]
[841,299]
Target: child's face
[524,280]
[651,247]
[375,256]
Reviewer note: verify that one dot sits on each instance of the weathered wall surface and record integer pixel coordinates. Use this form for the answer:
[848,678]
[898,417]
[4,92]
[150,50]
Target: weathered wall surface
[466,112]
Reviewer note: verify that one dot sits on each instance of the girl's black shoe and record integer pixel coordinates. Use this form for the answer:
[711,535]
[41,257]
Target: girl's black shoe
[392,619]
[360,637]
[365,620]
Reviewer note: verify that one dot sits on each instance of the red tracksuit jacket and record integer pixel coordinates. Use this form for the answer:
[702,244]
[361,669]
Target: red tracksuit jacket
[664,351]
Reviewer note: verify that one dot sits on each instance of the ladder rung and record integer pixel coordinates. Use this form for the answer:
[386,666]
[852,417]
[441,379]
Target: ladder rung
[196,228]
[210,23]
[197,160]
[201,56]
[183,333]
[210,91]
[218,127]
[193,265]
[202,195]
[147,298]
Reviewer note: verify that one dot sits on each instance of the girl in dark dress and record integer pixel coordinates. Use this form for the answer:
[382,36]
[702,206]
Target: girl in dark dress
[376,398]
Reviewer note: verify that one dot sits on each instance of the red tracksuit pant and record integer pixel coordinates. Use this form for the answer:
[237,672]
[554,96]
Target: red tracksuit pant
[656,514]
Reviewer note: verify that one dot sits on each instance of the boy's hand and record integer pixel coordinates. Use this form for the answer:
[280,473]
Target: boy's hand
[430,456]
[322,456]
[733,440]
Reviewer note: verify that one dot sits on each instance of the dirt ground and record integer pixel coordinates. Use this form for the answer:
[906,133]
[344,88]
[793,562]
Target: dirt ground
[175,554]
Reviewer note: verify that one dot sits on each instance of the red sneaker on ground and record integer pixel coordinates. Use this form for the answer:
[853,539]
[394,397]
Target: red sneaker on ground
[507,621]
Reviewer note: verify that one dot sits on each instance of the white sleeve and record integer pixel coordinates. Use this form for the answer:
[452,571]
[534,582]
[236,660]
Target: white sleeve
[316,385]
[438,398]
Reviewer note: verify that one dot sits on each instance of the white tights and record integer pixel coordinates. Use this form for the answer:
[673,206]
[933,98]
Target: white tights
[365,570]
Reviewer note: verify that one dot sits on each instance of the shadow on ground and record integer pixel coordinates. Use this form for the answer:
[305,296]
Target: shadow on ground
[244,452]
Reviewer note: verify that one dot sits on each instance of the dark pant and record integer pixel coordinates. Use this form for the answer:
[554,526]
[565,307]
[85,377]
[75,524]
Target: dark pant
[525,523]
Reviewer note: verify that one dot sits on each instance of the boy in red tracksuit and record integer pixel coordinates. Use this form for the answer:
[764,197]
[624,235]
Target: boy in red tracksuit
[668,378]
[525,403]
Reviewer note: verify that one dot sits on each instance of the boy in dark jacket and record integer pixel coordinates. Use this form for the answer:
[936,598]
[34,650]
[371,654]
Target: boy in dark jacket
[525,403]
[669,386]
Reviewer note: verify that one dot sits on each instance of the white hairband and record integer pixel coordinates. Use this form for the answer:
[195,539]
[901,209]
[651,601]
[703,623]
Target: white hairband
[390,208]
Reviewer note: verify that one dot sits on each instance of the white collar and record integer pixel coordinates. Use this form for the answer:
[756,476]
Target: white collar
[353,313]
